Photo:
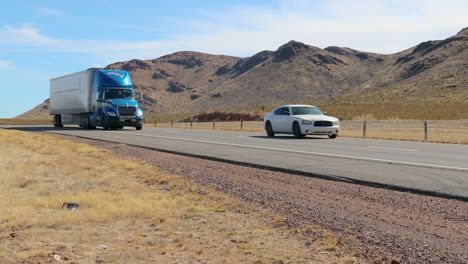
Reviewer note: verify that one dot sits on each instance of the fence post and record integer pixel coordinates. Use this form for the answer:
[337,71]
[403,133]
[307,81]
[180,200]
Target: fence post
[191,124]
[364,127]
[425,130]
[155,123]
[242,124]
[171,123]
[213,124]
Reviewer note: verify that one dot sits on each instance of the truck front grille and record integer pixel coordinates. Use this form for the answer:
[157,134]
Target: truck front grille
[323,123]
[127,110]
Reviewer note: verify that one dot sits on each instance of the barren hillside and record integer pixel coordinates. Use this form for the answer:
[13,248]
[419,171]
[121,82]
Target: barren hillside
[189,82]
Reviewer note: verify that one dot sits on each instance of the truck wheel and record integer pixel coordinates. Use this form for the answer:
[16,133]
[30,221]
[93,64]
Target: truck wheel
[139,127]
[90,126]
[269,130]
[86,122]
[105,123]
[297,130]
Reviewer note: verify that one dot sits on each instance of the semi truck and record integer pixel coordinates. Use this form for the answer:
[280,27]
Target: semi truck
[92,98]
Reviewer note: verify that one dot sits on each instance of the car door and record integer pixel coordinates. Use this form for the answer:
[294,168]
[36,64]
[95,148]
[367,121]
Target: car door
[285,120]
[276,119]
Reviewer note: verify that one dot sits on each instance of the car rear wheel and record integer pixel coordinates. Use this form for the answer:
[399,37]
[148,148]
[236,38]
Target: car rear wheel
[297,130]
[269,130]
[332,136]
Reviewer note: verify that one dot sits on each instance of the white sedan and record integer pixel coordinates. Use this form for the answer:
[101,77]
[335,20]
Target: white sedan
[300,120]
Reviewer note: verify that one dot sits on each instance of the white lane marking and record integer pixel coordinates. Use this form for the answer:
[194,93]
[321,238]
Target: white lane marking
[302,152]
[393,148]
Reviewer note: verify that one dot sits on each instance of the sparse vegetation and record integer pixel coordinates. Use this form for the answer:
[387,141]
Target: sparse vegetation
[7,121]
[140,214]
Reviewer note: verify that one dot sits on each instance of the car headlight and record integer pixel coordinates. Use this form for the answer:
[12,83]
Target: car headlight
[306,122]
[139,112]
[111,113]
[336,123]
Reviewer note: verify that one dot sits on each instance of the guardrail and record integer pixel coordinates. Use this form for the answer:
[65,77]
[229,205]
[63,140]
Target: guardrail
[449,131]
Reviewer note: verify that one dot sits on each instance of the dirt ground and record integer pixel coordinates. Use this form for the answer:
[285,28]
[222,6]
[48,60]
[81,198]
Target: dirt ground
[386,226]
[59,205]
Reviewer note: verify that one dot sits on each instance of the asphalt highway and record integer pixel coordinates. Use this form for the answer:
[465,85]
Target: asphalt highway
[408,166]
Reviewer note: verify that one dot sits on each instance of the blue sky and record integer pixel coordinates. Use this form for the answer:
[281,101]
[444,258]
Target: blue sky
[40,40]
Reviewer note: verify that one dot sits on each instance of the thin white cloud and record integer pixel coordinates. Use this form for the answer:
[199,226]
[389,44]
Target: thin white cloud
[4,64]
[26,35]
[46,11]
[385,26]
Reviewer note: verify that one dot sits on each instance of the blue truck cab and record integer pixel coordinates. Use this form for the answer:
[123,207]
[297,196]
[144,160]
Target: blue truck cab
[91,98]
[116,105]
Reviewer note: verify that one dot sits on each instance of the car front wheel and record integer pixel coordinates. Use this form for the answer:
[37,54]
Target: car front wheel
[332,136]
[297,130]
[269,130]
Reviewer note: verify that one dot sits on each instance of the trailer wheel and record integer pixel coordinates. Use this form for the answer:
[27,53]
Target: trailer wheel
[58,121]
[55,121]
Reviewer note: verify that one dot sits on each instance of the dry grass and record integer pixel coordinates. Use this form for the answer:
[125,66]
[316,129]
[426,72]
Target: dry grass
[143,215]
[441,131]
[8,121]
[384,110]
[368,106]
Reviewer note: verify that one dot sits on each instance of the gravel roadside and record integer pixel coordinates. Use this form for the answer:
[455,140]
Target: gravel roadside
[399,226]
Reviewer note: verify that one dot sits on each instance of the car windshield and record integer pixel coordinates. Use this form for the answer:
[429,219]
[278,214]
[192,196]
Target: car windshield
[306,110]
[119,94]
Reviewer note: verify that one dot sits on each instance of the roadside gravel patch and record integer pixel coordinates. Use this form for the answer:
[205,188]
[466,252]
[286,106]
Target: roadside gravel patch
[403,227]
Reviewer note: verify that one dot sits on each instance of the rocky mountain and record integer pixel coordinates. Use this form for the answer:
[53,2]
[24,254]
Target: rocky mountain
[190,82]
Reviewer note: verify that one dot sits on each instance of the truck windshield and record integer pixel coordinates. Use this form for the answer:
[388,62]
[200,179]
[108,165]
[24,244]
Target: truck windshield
[119,94]
[306,111]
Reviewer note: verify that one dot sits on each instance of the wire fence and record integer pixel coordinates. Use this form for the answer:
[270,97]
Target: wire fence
[449,131]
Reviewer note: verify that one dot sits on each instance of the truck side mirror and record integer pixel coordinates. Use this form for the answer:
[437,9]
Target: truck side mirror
[140,98]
